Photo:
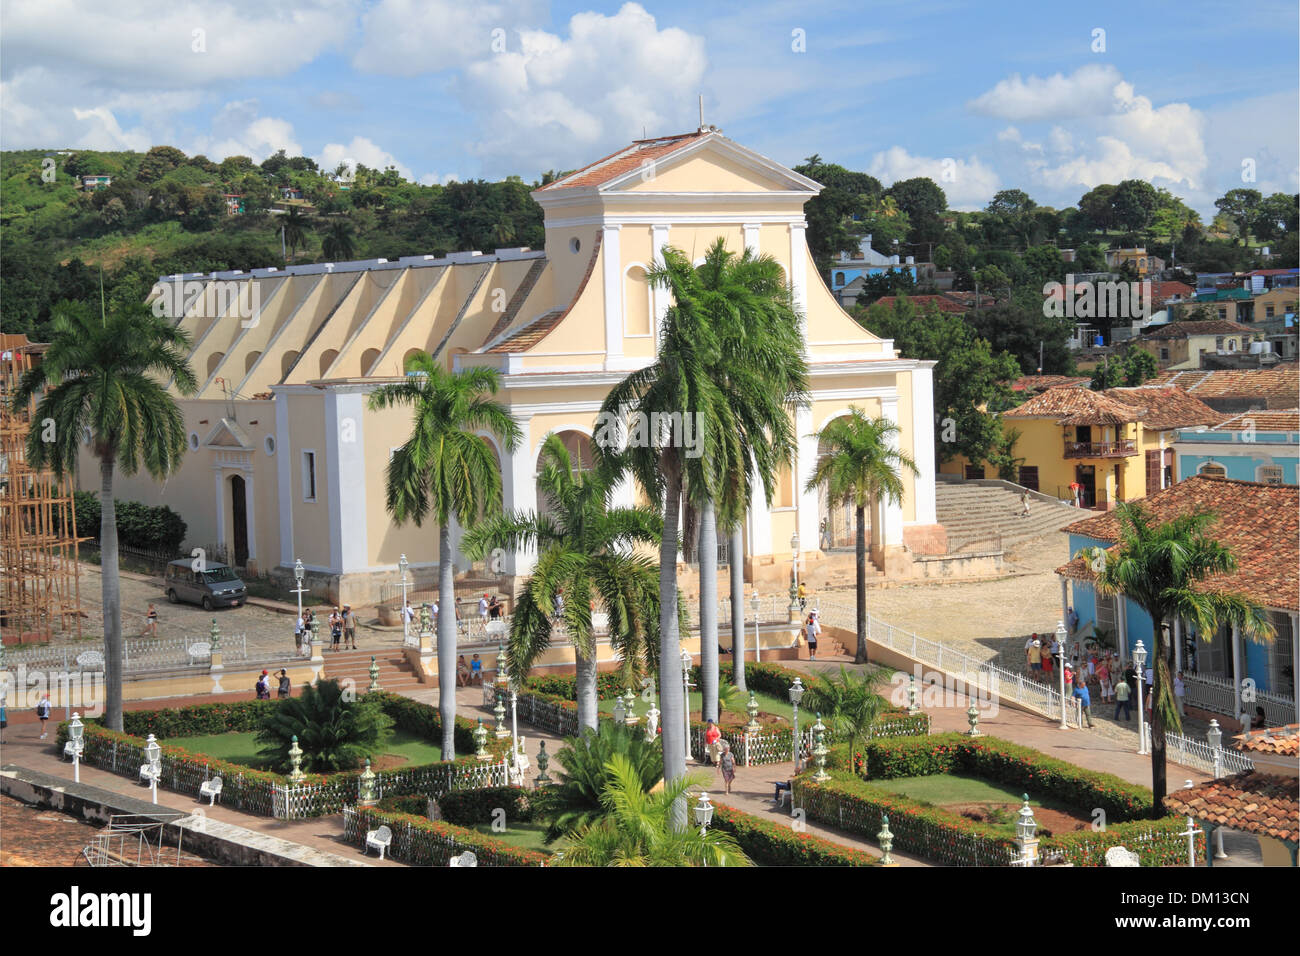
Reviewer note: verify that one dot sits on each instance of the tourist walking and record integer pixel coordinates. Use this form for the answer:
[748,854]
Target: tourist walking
[1122,693]
[285,689]
[43,708]
[811,630]
[1085,700]
[298,626]
[712,749]
[1024,504]
[1103,675]
[494,609]
[727,764]
[483,610]
[1034,655]
[336,629]
[151,622]
[349,627]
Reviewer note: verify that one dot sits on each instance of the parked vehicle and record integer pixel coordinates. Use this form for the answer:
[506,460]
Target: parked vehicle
[215,586]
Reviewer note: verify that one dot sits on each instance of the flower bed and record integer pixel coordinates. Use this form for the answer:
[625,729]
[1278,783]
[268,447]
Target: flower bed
[768,843]
[420,841]
[850,803]
[270,794]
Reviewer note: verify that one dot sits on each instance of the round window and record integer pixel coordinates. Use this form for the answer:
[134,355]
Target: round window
[269,444]
[575,244]
[194,441]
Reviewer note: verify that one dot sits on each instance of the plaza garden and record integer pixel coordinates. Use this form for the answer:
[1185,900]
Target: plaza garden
[953,799]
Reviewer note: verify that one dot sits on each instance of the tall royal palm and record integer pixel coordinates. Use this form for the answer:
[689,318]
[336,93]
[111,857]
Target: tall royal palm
[650,401]
[585,548]
[1166,570]
[445,470]
[764,376]
[861,467]
[106,376]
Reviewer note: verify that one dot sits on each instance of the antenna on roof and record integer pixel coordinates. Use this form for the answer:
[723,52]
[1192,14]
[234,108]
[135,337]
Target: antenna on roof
[701,112]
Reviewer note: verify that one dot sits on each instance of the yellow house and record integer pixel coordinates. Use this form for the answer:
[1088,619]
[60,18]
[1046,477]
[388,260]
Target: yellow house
[1116,445]
[1180,345]
[287,461]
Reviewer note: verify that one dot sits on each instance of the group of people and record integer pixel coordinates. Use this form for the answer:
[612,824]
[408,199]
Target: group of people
[718,752]
[284,688]
[471,673]
[342,624]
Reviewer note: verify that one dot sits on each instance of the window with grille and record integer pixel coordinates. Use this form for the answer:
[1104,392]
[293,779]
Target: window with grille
[1269,474]
[1211,470]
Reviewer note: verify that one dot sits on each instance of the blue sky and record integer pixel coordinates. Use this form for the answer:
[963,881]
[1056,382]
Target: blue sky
[979,96]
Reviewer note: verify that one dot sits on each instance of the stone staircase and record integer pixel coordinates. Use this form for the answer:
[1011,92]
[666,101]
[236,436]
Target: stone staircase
[395,674]
[977,515]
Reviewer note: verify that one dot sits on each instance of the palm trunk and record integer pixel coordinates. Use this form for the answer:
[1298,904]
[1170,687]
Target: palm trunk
[1159,678]
[112,597]
[708,612]
[446,642]
[671,698]
[588,702]
[860,655]
[737,608]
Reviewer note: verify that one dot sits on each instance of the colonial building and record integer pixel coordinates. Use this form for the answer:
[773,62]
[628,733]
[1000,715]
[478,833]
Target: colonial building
[287,461]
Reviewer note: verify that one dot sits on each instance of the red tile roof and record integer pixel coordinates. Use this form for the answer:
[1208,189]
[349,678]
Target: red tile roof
[1070,405]
[1279,384]
[1163,408]
[1037,383]
[1272,420]
[1163,291]
[1253,802]
[526,336]
[1259,523]
[624,161]
[955,303]
[1183,330]
[1284,741]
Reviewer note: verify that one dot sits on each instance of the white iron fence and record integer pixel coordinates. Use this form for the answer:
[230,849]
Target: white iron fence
[139,656]
[1217,695]
[1199,755]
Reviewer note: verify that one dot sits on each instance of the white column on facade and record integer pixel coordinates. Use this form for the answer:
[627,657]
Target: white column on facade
[751,230]
[284,478]
[1237,677]
[659,239]
[923,442]
[1121,631]
[519,492]
[345,464]
[220,512]
[1065,598]
[613,282]
[805,466]
[799,275]
[893,513]
[1162,463]
[250,513]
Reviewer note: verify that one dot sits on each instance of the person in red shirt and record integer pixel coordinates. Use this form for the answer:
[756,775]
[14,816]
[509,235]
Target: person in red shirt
[711,737]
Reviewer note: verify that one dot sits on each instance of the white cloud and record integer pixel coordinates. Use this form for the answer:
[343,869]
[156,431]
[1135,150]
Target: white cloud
[412,37]
[556,102]
[1085,92]
[968,183]
[238,129]
[360,151]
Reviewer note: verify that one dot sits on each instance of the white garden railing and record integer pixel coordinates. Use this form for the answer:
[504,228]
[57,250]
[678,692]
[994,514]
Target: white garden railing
[1217,695]
[1199,755]
[139,656]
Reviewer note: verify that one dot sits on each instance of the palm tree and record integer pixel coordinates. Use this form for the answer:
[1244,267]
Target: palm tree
[294,228]
[447,471]
[576,800]
[1164,568]
[764,376]
[861,466]
[334,733]
[851,705]
[106,380]
[338,244]
[639,829]
[584,549]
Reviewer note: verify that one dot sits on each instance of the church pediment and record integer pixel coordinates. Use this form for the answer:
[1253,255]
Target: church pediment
[227,435]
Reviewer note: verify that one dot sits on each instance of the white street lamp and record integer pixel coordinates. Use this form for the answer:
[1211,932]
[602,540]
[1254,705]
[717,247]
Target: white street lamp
[758,634]
[75,731]
[1214,737]
[153,756]
[704,813]
[1061,635]
[796,695]
[299,575]
[686,698]
[794,566]
[402,565]
[1139,662]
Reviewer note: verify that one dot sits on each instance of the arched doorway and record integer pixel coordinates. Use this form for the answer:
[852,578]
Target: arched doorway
[837,521]
[239,521]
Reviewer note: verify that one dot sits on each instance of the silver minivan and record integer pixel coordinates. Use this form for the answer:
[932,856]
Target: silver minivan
[215,586]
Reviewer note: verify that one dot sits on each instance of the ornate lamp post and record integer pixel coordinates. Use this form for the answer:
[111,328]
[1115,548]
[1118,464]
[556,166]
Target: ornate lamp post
[374,676]
[794,577]
[704,813]
[1139,662]
[1061,635]
[820,750]
[1026,828]
[686,698]
[153,756]
[758,634]
[75,731]
[366,787]
[1214,737]
[620,712]
[295,761]
[752,707]
[499,713]
[299,575]
[796,695]
[480,739]
[543,761]
[402,565]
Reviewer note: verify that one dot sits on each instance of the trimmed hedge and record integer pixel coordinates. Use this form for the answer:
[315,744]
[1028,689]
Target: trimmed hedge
[768,843]
[565,686]
[141,526]
[420,841]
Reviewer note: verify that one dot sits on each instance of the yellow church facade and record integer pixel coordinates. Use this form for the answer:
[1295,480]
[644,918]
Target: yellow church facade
[286,461]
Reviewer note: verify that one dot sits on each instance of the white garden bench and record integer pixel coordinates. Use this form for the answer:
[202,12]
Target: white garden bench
[210,789]
[465,859]
[199,651]
[379,839]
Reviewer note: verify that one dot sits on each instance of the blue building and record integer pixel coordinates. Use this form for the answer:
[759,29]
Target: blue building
[1259,446]
[865,262]
[1225,675]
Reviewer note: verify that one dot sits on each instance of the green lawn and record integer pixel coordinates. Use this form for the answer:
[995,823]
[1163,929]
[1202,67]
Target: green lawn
[949,790]
[526,836]
[766,703]
[242,748]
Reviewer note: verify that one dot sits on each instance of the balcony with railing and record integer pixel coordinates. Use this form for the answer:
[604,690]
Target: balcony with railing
[1101,449]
